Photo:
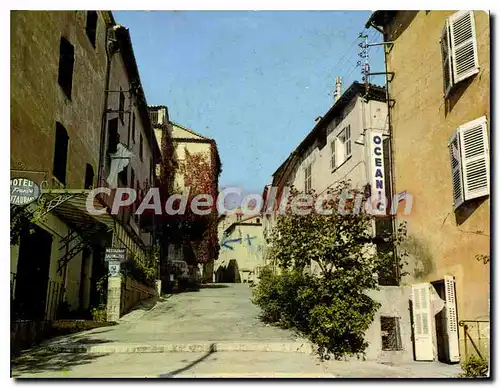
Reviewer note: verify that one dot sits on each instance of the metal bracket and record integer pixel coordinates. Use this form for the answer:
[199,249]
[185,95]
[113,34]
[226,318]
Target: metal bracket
[387,73]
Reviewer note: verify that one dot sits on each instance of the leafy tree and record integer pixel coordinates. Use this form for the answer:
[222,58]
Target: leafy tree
[330,305]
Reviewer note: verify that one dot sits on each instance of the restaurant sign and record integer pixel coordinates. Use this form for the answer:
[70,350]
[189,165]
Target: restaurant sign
[23,191]
[115,254]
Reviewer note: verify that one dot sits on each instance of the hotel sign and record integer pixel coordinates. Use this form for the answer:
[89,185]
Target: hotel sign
[23,191]
[377,178]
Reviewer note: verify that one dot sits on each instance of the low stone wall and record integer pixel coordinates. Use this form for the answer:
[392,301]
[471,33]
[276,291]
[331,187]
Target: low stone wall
[132,293]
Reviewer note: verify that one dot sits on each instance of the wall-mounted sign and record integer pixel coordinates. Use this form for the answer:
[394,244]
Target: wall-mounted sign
[114,268]
[377,178]
[23,191]
[115,254]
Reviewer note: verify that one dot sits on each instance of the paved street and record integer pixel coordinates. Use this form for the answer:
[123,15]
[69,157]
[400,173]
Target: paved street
[211,333]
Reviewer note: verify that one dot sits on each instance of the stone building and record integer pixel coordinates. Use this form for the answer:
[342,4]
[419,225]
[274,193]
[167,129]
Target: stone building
[200,249]
[438,65]
[74,82]
[58,70]
[341,147]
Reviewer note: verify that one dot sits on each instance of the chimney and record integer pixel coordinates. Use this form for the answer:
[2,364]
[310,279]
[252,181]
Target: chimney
[338,89]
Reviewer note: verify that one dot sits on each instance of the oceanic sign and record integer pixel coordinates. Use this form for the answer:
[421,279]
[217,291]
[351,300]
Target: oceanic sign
[23,191]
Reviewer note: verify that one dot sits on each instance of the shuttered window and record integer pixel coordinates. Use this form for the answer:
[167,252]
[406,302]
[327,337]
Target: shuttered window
[469,153]
[60,153]
[459,49]
[333,161]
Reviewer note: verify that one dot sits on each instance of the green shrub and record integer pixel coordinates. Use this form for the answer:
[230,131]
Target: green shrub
[474,367]
[99,314]
[335,322]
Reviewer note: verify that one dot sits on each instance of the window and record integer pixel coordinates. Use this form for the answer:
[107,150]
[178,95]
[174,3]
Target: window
[66,64]
[132,177]
[348,141]
[89,176]
[308,178]
[121,107]
[123,177]
[91,26]
[133,127]
[238,217]
[60,153]
[469,156]
[113,136]
[343,146]
[458,49]
[391,334]
[333,163]
[151,169]
[140,149]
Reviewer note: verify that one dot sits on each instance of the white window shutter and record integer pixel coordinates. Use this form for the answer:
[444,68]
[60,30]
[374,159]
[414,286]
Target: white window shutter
[474,152]
[422,324]
[348,144]
[456,170]
[446,54]
[333,162]
[453,352]
[463,45]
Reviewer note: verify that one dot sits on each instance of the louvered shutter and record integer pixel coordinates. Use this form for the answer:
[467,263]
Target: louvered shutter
[451,339]
[333,162]
[422,324]
[456,170]
[446,53]
[474,152]
[463,45]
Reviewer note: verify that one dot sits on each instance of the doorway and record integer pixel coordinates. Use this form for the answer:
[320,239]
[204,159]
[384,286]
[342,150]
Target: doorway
[33,274]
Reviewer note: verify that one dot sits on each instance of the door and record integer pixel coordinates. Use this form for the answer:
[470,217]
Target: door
[422,324]
[33,274]
[451,331]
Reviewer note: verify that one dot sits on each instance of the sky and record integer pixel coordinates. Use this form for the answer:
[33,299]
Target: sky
[252,80]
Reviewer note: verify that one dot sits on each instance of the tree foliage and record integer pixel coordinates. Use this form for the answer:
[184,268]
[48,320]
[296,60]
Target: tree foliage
[325,263]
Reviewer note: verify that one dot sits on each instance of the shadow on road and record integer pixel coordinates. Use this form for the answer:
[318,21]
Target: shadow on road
[190,365]
[214,286]
[42,360]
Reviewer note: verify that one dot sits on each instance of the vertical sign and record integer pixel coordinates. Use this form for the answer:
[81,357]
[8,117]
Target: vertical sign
[377,178]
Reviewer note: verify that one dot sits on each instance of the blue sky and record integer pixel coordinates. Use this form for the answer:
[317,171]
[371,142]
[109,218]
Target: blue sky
[253,81]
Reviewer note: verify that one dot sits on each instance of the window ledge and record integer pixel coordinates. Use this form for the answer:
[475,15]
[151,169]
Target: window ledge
[341,164]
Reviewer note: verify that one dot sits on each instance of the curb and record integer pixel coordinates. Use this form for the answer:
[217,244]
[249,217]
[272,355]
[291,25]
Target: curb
[292,347]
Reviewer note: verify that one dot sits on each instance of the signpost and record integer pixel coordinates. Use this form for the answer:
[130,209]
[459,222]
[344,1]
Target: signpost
[23,191]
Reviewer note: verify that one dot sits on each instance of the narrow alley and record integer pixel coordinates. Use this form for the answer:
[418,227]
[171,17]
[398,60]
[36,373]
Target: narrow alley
[214,332]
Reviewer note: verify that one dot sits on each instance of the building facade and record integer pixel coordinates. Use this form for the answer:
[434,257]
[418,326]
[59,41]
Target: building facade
[242,243]
[58,67]
[71,72]
[440,118]
[197,166]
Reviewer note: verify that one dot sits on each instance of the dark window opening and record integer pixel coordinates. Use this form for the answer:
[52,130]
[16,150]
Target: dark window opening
[123,177]
[89,177]
[133,127]
[113,136]
[258,220]
[122,105]
[140,149]
[391,334]
[60,153]
[66,64]
[91,26]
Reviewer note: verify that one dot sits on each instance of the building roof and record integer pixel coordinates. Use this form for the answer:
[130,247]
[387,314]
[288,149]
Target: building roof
[127,51]
[374,93]
[189,130]
[380,18]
